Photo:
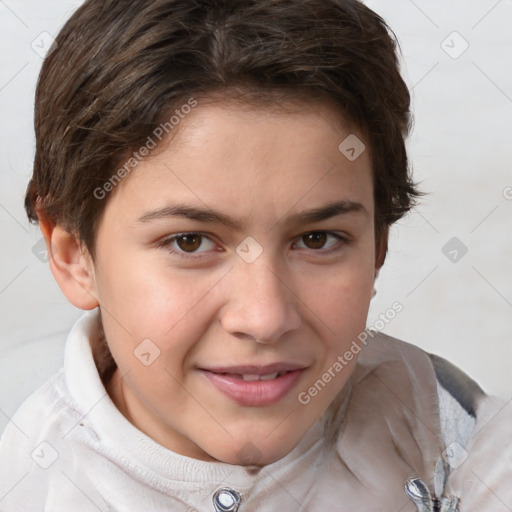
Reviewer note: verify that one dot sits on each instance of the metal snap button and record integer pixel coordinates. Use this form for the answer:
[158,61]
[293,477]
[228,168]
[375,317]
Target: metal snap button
[226,500]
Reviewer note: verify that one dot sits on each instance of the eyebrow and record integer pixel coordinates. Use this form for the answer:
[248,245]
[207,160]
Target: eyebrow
[210,216]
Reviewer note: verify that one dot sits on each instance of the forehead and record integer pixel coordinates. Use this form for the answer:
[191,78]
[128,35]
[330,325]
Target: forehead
[252,163]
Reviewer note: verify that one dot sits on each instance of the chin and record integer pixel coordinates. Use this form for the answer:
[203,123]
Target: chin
[255,452]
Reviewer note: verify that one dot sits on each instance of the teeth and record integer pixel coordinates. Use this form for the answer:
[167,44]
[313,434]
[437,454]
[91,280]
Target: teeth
[270,376]
[252,378]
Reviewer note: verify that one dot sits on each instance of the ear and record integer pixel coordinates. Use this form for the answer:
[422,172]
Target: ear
[71,265]
[381,249]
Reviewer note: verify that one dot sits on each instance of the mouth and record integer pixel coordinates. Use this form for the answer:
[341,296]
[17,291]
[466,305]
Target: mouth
[252,377]
[255,386]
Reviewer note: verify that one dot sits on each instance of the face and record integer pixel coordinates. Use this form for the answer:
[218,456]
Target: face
[232,269]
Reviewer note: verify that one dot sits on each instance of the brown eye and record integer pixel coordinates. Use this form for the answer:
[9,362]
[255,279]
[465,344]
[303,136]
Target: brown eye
[189,242]
[323,242]
[315,240]
[193,244]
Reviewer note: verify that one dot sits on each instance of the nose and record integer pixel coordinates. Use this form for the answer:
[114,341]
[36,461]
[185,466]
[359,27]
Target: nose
[262,305]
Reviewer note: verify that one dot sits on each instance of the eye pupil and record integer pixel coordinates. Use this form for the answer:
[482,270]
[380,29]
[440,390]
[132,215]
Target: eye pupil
[315,240]
[189,243]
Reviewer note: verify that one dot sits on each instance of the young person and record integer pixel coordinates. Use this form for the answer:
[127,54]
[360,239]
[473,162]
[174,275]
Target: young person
[215,181]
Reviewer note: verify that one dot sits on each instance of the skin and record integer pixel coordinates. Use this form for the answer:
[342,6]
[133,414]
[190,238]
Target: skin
[300,301]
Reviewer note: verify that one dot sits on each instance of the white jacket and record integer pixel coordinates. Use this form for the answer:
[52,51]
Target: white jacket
[405,419]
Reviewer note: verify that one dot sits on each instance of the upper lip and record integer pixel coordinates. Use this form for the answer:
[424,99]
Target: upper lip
[252,369]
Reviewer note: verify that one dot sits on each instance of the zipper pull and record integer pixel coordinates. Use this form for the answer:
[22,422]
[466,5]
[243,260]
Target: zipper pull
[450,505]
[417,491]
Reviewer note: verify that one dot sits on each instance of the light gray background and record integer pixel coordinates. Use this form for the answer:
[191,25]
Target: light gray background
[461,149]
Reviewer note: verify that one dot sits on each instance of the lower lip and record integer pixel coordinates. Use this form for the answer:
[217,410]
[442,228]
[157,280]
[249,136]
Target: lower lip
[255,393]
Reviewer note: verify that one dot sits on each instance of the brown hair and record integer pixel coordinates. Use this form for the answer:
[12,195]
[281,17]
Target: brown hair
[120,67]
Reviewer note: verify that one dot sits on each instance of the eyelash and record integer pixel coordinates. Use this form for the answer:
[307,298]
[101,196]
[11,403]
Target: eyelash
[166,243]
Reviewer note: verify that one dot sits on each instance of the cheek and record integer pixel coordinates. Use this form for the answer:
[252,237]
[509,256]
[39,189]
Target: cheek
[339,311]
[149,298]
[340,297]
[341,314]
[172,310]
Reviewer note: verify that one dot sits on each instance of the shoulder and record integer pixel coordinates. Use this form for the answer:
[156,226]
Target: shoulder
[461,387]
[53,442]
[41,411]
[434,418]
[482,471]
[32,442]
[452,383]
